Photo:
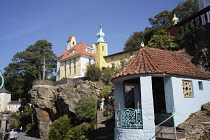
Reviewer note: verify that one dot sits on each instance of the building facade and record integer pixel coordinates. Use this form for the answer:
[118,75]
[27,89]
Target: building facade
[72,63]
[164,83]
[5,98]
[14,106]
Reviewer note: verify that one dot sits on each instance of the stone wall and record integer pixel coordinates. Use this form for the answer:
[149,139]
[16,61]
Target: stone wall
[51,102]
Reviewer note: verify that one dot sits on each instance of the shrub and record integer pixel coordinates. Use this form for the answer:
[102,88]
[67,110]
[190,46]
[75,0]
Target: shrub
[85,109]
[107,74]
[59,128]
[15,125]
[93,73]
[80,132]
[28,128]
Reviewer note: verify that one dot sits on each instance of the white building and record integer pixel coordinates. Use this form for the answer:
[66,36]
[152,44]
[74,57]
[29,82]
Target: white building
[14,106]
[5,98]
[163,82]
[72,63]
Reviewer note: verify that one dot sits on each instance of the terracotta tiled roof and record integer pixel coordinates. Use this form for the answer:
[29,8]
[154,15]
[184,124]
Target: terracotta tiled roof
[155,61]
[78,49]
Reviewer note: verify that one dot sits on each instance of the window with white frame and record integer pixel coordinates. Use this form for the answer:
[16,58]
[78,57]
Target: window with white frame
[187,88]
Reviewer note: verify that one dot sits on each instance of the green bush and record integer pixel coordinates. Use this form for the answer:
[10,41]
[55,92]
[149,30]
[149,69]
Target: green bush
[28,128]
[15,125]
[59,128]
[107,74]
[93,73]
[80,132]
[85,109]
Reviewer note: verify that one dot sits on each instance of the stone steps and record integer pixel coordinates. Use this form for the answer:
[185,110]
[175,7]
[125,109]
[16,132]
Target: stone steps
[167,133]
[103,133]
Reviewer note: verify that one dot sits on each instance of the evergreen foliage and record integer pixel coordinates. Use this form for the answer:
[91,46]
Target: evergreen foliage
[134,41]
[164,42]
[86,108]
[160,23]
[186,9]
[93,73]
[182,11]
[107,74]
[80,132]
[59,128]
[27,66]
[162,19]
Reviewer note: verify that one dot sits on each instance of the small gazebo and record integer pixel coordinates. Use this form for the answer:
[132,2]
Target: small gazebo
[161,83]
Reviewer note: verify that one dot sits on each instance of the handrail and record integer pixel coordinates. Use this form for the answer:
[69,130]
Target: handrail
[172,115]
[173,112]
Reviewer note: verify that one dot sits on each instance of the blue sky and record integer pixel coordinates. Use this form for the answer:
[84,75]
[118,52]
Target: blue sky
[23,22]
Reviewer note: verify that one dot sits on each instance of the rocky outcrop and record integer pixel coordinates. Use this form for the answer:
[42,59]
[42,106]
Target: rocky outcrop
[197,126]
[51,102]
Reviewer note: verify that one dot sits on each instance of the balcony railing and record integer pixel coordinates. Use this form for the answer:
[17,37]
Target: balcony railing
[195,21]
[128,118]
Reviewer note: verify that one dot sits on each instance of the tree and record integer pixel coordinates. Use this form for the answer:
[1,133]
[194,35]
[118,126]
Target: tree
[27,66]
[134,41]
[93,73]
[150,32]
[162,19]
[59,128]
[107,74]
[186,9]
[164,42]
[160,23]
[182,11]
[85,109]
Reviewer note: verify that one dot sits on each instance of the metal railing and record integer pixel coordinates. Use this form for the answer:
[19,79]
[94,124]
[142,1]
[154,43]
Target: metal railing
[194,21]
[128,118]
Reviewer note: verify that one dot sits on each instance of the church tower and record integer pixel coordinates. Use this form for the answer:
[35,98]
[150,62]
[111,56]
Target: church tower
[71,42]
[101,49]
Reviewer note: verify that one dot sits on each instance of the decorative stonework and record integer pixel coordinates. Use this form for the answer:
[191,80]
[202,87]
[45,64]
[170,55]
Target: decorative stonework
[187,89]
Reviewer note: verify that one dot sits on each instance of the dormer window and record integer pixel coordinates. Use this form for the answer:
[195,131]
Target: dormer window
[89,50]
[71,52]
